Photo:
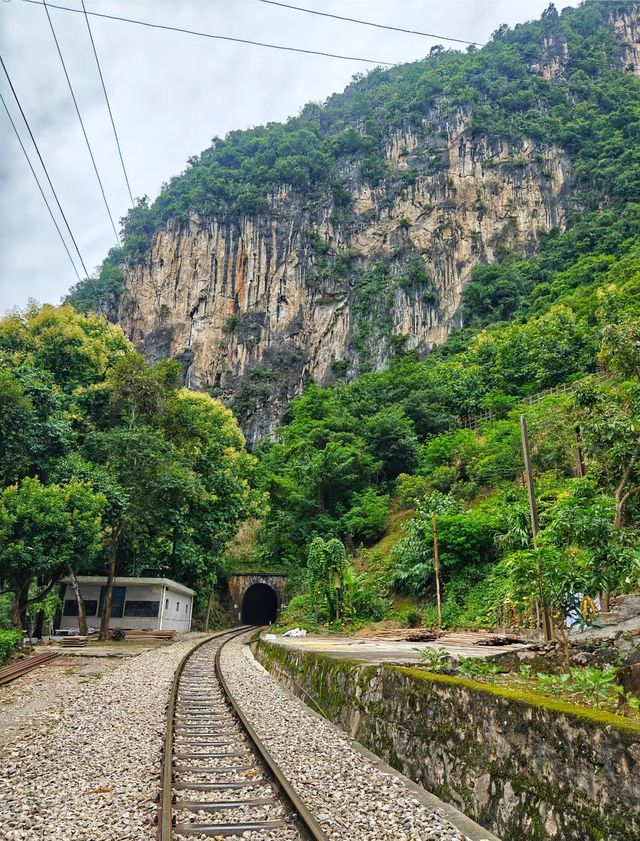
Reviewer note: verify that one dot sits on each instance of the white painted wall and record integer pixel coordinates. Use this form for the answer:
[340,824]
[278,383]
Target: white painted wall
[174,612]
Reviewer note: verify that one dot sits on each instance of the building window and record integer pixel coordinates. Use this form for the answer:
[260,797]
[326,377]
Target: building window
[117,603]
[141,608]
[177,606]
[186,608]
[71,607]
[166,604]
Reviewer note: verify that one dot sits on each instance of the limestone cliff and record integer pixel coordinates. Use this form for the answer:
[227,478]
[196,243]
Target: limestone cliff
[256,306]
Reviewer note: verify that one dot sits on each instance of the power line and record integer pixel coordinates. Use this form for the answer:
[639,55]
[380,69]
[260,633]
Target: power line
[75,102]
[215,37]
[88,278]
[106,96]
[371,23]
[42,163]
[37,180]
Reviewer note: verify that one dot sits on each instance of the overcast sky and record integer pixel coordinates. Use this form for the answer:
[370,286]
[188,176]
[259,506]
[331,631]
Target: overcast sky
[170,94]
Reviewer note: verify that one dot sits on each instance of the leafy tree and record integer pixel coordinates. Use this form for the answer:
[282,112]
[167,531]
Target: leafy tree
[392,441]
[326,564]
[75,349]
[366,516]
[45,531]
[583,520]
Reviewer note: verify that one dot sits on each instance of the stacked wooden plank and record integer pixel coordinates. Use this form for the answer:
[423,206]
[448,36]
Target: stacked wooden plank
[149,635]
[405,635]
[74,642]
[464,638]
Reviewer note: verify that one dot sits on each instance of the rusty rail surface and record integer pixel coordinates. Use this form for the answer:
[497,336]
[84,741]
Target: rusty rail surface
[15,670]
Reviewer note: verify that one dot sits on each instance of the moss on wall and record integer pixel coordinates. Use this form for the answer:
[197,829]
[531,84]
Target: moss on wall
[520,764]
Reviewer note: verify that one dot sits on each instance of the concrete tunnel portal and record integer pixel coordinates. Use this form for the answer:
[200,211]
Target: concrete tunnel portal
[256,598]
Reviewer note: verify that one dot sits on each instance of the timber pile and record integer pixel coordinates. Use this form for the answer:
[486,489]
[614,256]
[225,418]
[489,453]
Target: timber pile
[462,638]
[149,635]
[74,642]
[405,635]
[478,638]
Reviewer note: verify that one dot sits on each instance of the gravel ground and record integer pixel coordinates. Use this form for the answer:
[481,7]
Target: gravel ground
[350,797]
[42,694]
[90,770]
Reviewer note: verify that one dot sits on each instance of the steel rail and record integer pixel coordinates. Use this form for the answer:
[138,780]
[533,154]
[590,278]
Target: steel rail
[165,800]
[314,829]
[165,827]
[16,670]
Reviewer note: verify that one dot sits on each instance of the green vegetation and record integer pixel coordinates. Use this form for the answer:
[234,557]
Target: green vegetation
[589,686]
[346,451]
[365,465]
[590,111]
[10,642]
[108,466]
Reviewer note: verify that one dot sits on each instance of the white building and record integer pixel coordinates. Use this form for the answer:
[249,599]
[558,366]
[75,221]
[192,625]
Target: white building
[139,604]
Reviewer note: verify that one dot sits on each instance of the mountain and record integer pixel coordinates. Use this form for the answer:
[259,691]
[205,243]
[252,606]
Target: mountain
[323,247]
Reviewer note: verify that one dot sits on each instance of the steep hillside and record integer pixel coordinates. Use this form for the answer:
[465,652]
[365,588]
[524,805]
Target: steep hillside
[324,247]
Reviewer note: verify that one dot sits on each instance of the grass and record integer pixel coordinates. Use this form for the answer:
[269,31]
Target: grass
[529,695]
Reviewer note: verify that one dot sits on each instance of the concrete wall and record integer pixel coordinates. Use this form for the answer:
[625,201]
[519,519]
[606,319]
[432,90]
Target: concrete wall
[523,766]
[175,609]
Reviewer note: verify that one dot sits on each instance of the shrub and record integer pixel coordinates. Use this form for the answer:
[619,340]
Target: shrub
[475,667]
[299,613]
[436,660]
[411,488]
[10,641]
[410,616]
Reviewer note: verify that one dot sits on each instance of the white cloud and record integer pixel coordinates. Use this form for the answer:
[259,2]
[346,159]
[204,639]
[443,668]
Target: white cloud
[170,95]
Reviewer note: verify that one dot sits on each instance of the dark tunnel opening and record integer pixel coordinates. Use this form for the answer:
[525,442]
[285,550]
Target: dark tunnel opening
[259,605]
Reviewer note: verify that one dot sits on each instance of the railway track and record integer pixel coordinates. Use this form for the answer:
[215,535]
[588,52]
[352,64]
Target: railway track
[23,667]
[218,779]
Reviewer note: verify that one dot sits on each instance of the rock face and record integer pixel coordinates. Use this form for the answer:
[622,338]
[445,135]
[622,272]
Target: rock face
[257,306]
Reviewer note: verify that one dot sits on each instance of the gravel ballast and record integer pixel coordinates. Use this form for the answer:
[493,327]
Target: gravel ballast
[351,797]
[89,771]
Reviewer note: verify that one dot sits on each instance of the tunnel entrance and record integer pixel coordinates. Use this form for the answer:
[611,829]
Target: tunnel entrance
[259,605]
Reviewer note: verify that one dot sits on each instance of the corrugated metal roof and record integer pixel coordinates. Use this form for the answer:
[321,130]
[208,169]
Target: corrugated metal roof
[132,582]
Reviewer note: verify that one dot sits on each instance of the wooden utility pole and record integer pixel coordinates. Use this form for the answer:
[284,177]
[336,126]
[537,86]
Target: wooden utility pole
[436,562]
[582,470]
[533,511]
[209,605]
[526,452]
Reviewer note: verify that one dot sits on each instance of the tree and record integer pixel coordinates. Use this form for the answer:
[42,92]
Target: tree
[609,417]
[76,349]
[43,532]
[326,565]
[16,423]
[393,441]
[583,520]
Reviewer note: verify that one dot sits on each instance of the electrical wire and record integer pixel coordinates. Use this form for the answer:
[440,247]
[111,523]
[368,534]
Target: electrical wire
[42,163]
[371,23]
[106,96]
[37,180]
[87,277]
[75,102]
[214,37]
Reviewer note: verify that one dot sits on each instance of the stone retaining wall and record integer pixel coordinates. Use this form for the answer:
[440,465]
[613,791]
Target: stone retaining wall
[521,765]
